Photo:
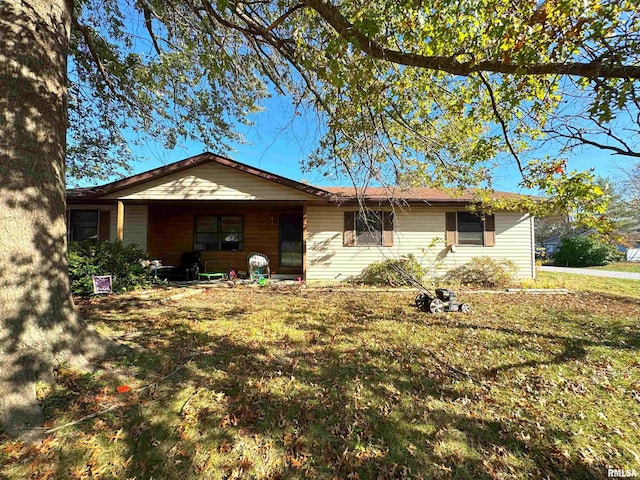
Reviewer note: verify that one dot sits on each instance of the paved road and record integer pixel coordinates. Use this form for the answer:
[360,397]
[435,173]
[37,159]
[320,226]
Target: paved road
[592,272]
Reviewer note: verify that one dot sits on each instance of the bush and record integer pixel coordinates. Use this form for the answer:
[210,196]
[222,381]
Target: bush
[585,251]
[122,262]
[389,271]
[484,272]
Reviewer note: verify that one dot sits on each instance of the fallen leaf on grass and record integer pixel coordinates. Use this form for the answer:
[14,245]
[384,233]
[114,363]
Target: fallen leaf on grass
[225,447]
[295,462]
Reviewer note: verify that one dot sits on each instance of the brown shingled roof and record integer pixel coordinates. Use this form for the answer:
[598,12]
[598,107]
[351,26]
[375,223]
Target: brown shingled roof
[335,194]
[410,195]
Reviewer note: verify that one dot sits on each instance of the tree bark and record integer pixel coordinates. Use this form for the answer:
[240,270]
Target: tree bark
[39,327]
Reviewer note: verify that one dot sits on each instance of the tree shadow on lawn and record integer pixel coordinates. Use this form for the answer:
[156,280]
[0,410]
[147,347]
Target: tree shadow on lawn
[313,406]
[612,336]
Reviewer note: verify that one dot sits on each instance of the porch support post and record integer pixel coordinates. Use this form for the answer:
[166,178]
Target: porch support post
[304,241]
[120,221]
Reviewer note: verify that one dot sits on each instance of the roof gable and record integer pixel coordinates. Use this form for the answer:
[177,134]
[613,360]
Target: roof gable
[211,177]
[203,177]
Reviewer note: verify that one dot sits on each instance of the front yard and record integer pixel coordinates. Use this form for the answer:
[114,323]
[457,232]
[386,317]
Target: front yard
[300,383]
[612,287]
[621,267]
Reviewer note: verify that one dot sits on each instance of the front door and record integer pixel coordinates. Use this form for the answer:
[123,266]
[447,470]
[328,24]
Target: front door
[291,240]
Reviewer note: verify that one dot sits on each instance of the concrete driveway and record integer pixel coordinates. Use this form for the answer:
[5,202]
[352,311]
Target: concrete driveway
[593,272]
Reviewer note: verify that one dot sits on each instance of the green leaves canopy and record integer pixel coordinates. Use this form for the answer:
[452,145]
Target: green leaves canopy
[411,92]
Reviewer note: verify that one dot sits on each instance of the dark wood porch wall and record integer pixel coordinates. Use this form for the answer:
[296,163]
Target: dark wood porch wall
[171,233]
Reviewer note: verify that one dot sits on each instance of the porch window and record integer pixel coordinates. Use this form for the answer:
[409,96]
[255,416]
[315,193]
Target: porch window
[220,233]
[83,225]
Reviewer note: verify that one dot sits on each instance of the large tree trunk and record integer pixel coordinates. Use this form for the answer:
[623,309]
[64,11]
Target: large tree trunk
[39,327]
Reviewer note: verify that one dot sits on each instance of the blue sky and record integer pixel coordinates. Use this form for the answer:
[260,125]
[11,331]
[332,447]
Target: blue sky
[276,145]
[272,144]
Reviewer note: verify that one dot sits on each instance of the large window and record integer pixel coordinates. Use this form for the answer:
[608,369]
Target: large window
[222,233]
[83,225]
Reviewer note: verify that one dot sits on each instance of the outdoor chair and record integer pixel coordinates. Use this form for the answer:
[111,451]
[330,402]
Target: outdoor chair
[258,266]
[190,266]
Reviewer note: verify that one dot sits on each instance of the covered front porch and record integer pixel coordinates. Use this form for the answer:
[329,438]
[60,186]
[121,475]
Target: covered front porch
[224,233]
[209,204]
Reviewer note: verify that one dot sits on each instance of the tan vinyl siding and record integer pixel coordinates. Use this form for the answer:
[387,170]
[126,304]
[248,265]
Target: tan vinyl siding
[416,230]
[211,182]
[513,242]
[135,225]
[328,259]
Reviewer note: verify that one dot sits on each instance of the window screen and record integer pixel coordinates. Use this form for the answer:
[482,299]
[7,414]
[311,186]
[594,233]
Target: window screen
[368,228]
[470,229]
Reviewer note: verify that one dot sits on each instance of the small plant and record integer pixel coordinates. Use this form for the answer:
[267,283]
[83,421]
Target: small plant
[484,272]
[393,272]
[585,251]
[122,262]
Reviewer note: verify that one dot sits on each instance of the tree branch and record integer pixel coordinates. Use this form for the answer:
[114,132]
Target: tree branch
[85,31]
[577,136]
[86,35]
[148,14]
[284,16]
[332,15]
[503,125]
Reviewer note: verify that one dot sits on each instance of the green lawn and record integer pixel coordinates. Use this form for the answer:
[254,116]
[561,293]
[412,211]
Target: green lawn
[586,283]
[621,267]
[255,383]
